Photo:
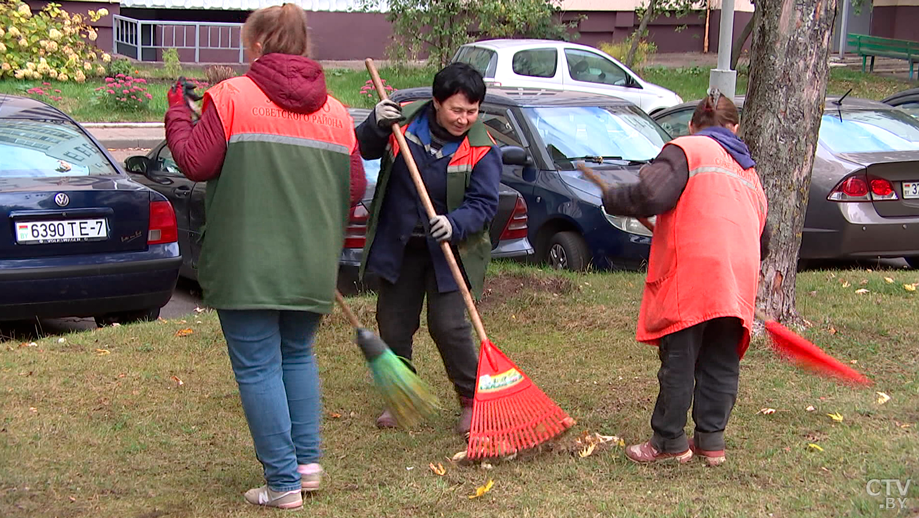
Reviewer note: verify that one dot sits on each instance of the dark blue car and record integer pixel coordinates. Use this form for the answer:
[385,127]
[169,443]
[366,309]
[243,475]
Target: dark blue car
[542,135]
[79,237]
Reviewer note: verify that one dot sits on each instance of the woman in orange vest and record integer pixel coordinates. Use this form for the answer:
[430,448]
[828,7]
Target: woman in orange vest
[282,168]
[703,271]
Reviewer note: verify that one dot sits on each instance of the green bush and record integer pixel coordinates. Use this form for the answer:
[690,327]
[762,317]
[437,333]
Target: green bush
[48,44]
[620,50]
[120,66]
[171,62]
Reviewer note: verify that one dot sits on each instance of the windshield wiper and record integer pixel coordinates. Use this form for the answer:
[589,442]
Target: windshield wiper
[594,158]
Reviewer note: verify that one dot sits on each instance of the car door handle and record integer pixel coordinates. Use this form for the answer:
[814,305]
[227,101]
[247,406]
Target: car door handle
[182,191]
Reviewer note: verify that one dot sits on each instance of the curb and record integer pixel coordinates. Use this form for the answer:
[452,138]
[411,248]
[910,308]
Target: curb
[122,125]
[130,143]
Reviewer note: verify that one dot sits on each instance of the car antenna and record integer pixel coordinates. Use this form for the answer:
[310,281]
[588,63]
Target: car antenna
[838,103]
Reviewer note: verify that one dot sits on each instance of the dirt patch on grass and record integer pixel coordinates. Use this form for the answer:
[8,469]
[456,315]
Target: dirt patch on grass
[500,288]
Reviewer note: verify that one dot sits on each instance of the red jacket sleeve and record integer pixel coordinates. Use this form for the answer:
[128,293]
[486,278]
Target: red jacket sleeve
[198,149]
[358,178]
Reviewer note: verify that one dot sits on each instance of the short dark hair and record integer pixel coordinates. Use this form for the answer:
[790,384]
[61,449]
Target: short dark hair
[459,78]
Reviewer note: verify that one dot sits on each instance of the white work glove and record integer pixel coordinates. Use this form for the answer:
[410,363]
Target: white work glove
[387,113]
[441,230]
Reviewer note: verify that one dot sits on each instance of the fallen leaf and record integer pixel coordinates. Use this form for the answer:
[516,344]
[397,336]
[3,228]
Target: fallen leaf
[909,287]
[864,282]
[439,469]
[861,291]
[184,332]
[61,340]
[200,310]
[409,468]
[481,490]
[836,416]
[587,451]
[882,398]
[812,293]
[888,280]
[334,415]
[868,270]
[832,330]
[33,410]
[177,380]
[72,499]
[814,447]
[116,324]
[766,411]
[459,456]
[102,352]
[810,408]
[845,284]
[487,466]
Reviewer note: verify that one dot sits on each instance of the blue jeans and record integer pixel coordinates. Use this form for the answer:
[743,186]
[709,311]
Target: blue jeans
[272,357]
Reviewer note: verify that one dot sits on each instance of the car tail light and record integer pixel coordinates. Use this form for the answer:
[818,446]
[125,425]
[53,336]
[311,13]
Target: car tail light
[858,188]
[356,233]
[162,228]
[516,227]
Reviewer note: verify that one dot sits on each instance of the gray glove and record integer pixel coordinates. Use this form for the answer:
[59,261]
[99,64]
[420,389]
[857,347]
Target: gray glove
[387,113]
[441,229]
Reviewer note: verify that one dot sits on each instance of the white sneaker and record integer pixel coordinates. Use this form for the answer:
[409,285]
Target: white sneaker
[310,476]
[269,498]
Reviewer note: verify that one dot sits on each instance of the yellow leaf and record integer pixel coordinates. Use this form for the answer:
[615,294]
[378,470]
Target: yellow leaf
[810,408]
[334,415]
[184,332]
[882,398]
[766,411]
[586,452]
[814,447]
[909,287]
[102,352]
[888,280]
[862,291]
[832,330]
[845,284]
[836,416]
[178,381]
[439,469]
[481,490]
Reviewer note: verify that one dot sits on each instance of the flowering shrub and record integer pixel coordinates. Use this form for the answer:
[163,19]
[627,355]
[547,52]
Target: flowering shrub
[45,93]
[125,93]
[371,92]
[49,44]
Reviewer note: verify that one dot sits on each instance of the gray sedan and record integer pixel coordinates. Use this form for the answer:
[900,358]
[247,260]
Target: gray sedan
[864,196]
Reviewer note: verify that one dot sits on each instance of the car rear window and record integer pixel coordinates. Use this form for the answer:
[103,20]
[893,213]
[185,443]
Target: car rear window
[46,149]
[483,60]
[869,131]
[536,62]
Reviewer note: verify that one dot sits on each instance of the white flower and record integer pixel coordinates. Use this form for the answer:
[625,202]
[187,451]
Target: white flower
[23,42]
[100,70]
[24,10]
[30,66]
[79,77]
[77,19]
[52,46]
[19,74]
[2,32]
[62,77]
[55,34]
[2,49]
[92,35]
[102,12]
[14,32]
[52,74]
[106,58]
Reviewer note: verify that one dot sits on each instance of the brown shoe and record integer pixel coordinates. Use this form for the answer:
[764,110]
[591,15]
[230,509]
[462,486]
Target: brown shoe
[464,423]
[645,453]
[710,457]
[386,420]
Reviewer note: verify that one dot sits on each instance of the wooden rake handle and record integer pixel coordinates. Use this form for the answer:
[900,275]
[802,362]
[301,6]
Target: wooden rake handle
[347,310]
[429,208]
[595,178]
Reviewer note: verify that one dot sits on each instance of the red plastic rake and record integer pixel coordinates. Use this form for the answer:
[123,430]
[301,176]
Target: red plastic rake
[509,412]
[807,355]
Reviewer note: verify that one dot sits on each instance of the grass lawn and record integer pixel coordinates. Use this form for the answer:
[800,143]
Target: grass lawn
[345,85]
[97,423]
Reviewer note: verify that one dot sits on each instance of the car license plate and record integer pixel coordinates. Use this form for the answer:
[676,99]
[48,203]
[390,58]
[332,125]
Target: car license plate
[61,231]
[911,190]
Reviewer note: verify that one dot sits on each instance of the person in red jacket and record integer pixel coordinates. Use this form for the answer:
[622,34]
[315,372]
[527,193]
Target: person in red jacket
[703,271]
[282,164]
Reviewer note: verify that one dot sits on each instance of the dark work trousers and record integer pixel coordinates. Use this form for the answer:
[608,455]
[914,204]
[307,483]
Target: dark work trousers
[703,356]
[399,317]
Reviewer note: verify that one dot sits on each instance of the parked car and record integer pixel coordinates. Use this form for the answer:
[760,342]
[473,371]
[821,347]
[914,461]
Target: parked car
[543,134]
[907,100]
[82,239]
[160,172]
[864,194]
[560,65]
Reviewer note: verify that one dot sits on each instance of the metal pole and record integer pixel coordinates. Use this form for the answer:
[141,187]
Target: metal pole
[138,38]
[843,29]
[197,41]
[723,78]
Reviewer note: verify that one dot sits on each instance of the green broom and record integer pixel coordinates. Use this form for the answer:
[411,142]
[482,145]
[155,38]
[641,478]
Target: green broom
[407,397]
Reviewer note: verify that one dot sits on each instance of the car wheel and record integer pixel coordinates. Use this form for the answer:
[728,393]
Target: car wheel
[568,251]
[125,317]
[913,262]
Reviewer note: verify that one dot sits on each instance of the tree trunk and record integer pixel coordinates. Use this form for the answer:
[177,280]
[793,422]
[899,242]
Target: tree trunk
[788,76]
[642,27]
[739,43]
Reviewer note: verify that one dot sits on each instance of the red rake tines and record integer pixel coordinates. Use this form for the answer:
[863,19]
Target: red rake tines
[809,356]
[509,412]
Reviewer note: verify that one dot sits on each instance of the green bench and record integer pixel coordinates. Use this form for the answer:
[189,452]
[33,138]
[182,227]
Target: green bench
[872,46]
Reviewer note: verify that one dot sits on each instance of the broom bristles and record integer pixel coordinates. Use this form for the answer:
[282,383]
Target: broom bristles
[408,398]
[809,356]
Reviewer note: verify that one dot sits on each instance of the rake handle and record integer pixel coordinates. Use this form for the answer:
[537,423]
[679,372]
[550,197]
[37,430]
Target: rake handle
[429,207]
[595,178]
[347,310]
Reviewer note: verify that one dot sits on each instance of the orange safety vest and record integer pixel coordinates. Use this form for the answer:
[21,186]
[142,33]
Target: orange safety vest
[704,261]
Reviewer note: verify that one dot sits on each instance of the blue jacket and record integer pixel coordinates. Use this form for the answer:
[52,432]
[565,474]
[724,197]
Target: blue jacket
[401,210]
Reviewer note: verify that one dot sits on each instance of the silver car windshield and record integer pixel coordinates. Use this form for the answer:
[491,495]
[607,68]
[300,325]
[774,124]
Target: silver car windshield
[45,149]
[622,132]
[869,131]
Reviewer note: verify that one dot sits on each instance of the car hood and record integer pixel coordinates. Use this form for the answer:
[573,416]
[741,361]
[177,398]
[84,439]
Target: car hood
[660,91]
[610,173]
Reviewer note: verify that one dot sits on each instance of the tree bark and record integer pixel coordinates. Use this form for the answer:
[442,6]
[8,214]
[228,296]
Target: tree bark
[788,76]
[739,43]
[642,27]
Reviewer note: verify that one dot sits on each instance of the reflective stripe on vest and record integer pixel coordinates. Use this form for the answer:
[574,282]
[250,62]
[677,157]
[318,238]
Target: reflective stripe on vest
[260,119]
[463,160]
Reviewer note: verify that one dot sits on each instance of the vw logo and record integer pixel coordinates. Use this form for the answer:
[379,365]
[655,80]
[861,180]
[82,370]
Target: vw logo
[61,199]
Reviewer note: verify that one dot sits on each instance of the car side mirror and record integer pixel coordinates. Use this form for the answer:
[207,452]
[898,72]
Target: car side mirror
[513,155]
[138,164]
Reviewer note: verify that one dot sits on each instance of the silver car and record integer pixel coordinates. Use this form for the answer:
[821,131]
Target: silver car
[864,195]
[559,65]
